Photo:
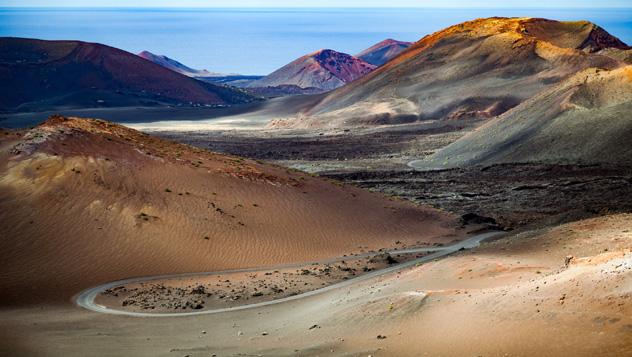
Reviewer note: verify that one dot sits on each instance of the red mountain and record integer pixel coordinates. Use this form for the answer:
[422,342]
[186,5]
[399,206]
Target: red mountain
[324,69]
[383,52]
[38,75]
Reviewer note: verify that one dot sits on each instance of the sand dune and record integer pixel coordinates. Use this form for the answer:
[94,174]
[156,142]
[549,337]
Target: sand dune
[87,201]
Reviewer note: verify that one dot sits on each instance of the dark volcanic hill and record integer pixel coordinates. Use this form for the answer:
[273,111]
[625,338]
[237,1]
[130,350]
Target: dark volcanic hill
[38,75]
[383,51]
[477,69]
[324,69]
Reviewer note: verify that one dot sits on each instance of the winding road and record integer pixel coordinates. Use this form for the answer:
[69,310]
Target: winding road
[86,298]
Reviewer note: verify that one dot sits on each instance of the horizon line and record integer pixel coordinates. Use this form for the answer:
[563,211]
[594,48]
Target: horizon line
[308,7]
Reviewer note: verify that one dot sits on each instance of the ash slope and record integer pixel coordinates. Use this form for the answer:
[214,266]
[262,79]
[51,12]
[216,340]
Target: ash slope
[477,69]
[586,119]
[84,202]
[38,75]
[324,69]
[383,51]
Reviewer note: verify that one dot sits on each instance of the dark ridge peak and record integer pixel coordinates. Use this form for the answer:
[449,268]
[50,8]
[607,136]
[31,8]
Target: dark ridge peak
[599,39]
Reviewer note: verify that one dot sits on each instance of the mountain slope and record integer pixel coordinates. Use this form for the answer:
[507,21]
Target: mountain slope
[477,69]
[84,202]
[324,69]
[383,51]
[585,119]
[38,75]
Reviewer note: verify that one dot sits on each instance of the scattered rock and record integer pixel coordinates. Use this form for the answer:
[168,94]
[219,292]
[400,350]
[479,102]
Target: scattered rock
[567,260]
[473,218]
[199,290]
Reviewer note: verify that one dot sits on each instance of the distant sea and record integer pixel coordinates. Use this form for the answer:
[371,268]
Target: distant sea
[258,41]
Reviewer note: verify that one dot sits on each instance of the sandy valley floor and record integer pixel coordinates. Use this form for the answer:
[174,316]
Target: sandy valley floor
[560,291]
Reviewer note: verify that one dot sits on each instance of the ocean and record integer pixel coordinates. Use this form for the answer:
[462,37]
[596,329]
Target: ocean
[258,41]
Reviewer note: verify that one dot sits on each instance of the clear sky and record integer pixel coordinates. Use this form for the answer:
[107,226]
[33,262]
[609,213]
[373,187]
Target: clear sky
[320,3]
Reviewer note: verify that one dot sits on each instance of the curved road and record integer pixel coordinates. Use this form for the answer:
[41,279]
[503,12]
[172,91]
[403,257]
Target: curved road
[86,298]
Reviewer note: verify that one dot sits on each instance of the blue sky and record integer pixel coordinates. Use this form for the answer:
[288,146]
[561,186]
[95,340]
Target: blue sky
[318,3]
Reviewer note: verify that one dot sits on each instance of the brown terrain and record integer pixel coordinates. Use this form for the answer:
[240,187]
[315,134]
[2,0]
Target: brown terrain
[88,202]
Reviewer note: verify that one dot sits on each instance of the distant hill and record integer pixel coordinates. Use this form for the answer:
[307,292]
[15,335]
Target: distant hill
[282,91]
[233,79]
[177,66]
[236,80]
[383,51]
[38,75]
[324,69]
[478,69]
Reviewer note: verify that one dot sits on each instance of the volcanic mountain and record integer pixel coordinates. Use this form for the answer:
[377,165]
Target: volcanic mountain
[38,75]
[383,51]
[177,66]
[84,202]
[477,69]
[324,69]
[586,119]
